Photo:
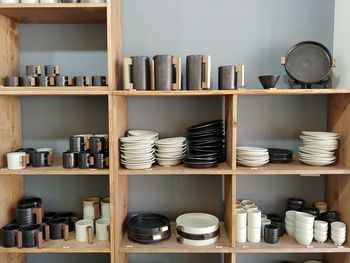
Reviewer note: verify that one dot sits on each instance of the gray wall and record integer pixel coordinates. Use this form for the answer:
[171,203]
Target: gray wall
[255,33]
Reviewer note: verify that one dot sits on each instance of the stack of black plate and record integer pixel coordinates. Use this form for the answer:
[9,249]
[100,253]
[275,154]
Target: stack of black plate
[280,155]
[206,142]
[148,228]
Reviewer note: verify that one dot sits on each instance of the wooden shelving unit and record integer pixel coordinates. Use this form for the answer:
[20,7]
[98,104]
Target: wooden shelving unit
[12,183]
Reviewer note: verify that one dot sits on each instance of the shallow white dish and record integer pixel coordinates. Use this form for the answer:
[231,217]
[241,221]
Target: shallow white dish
[171,141]
[304,240]
[320,134]
[252,163]
[143,133]
[312,150]
[251,149]
[139,138]
[303,217]
[197,223]
[197,243]
[138,166]
[168,163]
[316,163]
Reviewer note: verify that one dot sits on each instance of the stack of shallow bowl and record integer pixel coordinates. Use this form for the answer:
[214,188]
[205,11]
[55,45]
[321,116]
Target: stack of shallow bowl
[252,156]
[170,151]
[197,229]
[338,233]
[289,222]
[304,228]
[148,228]
[137,151]
[319,147]
[320,231]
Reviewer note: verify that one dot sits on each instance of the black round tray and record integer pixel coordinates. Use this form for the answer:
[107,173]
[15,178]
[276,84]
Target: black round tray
[149,239]
[148,224]
[198,237]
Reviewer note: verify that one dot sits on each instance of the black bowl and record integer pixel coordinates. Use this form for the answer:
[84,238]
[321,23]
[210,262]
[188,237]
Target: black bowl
[269,81]
[296,202]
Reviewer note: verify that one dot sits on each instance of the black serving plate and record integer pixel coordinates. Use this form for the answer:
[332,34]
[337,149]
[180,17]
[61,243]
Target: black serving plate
[200,164]
[149,239]
[206,125]
[148,224]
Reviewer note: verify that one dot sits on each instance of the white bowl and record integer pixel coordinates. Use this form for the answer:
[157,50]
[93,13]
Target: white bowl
[290,230]
[321,225]
[339,235]
[171,141]
[168,163]
[289,222]
[247,202]
[304,218]
[308,232]
[320,238]
[306,226]
[138,166]
[291,215]
[338,226]
[320,233]
[304,240]
[337,240]
[143,133]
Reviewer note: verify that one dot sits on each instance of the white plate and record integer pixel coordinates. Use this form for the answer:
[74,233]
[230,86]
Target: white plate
[143,133]
[167,163]
[170,141]
[197,223]
[170,156]
[181,151]
[250,149]
[321,155]
[252,158]
[320,134]
[130,139]
[197,243]
[311,150]
[142,158]
[138,161]
[138,166]
[252,163]
[316,163]
[136,154]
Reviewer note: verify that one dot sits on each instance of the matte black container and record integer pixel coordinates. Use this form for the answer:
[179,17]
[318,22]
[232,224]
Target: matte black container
[271,234]
[279,223]
[44,81]
[97,144]
[164,72]
[59,228]
[227,78]
[100,160]
[35,201]
[11,81]
[84,160]
[139,72]
[76,144]
[41,159]
[50,215]
[70,160]
[32,236]
[25,214]
[11,236]
[82,81]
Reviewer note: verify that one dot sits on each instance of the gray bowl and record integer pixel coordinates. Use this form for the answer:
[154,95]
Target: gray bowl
[269,81]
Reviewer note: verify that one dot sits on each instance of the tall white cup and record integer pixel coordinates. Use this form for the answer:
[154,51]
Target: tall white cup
[102,229]
[105,208]
[84,230]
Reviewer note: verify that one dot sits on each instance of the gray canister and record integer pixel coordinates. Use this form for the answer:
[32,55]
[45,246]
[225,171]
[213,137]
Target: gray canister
[198,72]
[228,77]
[163,72]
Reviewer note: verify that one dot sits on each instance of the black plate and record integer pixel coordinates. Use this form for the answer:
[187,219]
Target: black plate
[150,224]
[148,239]
[200,159]
[215,130]
[206,125]
[200,165]
[308,62]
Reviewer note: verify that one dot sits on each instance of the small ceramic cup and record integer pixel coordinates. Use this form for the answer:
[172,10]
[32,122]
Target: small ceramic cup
[254,218]
[254,234]
[16,160]
[84,230]
[241,235]
[91,208]
[264,222]
[105,208]
[102,229]
[241,218]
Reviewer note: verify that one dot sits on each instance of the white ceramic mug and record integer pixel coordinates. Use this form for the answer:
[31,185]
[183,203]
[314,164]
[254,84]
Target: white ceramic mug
[105,208]
[254,218]
[102,229]
[29,1]
[84,230]
[16,160]
[241,218]
[254,234]
[9,1]
[91,208]
[241,234]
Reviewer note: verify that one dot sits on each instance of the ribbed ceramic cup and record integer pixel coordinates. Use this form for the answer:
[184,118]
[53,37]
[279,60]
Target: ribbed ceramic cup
[70,160]
[59,228]
[84,230]
[32,236]
[11,236]
[163,72]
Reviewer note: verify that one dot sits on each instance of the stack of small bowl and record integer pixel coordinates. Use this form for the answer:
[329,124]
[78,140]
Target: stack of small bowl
[319,147]
[304,228]
[170,151]
[289,222]
[197,229]
[137,150]
[295,204]
[338,233]
[252,156]
[320,231]
[330,217]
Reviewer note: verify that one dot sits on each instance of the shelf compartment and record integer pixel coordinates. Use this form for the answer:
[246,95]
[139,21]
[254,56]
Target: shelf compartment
[294,167]
[61,246]
[53,91]
[79,13]
[55,169]
[222,168]
[251,92]
[287,244]
[172,246]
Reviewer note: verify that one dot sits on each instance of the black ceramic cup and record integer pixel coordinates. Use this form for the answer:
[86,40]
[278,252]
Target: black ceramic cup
[82,81]
[59,228]
[228,77]
[100,161]
[52,70]
[197,72]
[41,159]
[279,223]
[312,211]
[99,81]
[28,152]
[49,215]
[70,160]
[27,81]
[84,160]
[71,219]
[77,143]
[139,72]
[11,81]
[32,236]
[33,70]
[271,234]
[97,144]
[11,236]
[35,201]
[164,72]
[28,214]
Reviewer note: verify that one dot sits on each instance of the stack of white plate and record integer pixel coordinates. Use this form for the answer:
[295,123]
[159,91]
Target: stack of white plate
[252,156]
[170,151]
[319,147]
[137,152]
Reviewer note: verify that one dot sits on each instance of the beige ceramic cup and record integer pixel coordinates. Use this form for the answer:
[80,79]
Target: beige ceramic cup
[105,208]
[91,208]
[102,229]
[84,231]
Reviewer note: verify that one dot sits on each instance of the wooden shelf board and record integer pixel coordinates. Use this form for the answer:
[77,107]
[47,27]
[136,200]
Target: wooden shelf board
[252,92]
[81,13]
[172,246]
[55,169]
[294,167]
[287,244]
[222,168]
[61,246]
[53,91]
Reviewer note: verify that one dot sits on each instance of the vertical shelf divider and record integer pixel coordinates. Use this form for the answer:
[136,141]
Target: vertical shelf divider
[338,186]
[230,180]
[11,186]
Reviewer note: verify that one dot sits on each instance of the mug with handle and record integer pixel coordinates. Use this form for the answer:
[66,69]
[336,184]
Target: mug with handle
[198,68]
[16,160]
[28,214]
[33,236]
[165,73]
[11,236]
[229,75]
[103,229]
[59,228]
[84,230]
[91,208]
[137,73]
